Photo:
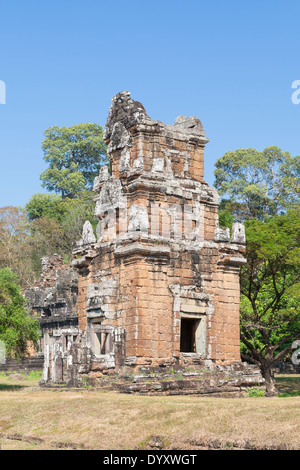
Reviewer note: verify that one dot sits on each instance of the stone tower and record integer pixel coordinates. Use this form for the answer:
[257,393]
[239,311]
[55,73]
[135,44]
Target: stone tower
[159,282]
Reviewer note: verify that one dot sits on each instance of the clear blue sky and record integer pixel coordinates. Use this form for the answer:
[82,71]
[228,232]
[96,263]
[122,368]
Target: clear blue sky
[231,63]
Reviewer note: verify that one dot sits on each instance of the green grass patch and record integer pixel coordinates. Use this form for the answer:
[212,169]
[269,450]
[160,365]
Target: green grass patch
[17,380]
[256,392]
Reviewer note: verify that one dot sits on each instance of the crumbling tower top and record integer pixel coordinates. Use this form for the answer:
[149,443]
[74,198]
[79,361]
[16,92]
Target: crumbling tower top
[125,111]
[174,150]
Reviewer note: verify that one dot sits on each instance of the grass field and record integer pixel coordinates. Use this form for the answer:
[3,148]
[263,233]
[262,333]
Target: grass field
[34,418]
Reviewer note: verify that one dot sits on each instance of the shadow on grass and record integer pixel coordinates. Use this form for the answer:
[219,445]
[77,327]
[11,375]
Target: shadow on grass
[10,388]
[289,394]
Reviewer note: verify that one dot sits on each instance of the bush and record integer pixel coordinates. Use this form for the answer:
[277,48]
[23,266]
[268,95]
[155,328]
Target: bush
[18,330]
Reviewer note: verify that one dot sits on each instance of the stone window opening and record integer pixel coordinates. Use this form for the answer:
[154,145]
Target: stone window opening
[106,220]
[117,221]
[46,312]
[68,340]
[103,343]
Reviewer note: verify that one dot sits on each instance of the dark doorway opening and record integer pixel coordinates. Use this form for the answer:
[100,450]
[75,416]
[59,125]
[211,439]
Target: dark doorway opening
[188,329]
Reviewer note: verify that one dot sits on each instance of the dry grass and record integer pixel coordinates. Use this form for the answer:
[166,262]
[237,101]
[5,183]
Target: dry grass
[111,421]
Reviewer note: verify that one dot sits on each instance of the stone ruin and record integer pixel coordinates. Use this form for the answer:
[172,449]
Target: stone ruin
[53,299]
[158,284]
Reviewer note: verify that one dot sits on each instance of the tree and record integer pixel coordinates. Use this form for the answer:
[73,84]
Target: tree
[226,219]
[290,181]
[15,250]
[44,205]
[56,223]
[262,189]
[257,184]
[270,292]
[76,212]
[18,331]
[46,238]
[74,155]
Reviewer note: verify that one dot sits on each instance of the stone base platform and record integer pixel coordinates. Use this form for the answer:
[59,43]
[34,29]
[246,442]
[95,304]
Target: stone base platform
[221,381]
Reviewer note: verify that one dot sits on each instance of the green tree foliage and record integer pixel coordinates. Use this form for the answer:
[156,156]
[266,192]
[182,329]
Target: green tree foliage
[270,288]
[226,219]
[51,223]
[74,155]
[290,182]
[262,189]
[15,243]
[18,330]
[46,239]
[257,184]
[44,205]
[76,212]
[56,223]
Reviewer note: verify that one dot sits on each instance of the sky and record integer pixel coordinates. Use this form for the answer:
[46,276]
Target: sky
[230,63]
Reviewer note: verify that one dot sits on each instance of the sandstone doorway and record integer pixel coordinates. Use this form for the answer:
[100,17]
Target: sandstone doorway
[187,335]
[193,335]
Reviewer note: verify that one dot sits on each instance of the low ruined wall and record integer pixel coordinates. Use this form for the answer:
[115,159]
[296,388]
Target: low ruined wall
[26,364]
[286,368]
[235,381]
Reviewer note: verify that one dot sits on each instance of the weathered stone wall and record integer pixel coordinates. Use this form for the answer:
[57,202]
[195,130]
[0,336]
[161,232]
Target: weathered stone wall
[54,300]
[26,364]
[54,295]
[286,367]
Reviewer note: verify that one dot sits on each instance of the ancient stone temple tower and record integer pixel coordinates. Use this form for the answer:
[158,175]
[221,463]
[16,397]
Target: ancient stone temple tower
[159,281]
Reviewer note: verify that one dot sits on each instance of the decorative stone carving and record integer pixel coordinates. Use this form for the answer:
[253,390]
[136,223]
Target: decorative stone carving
[238,234]
[88,236]
[222,234]
[138,219]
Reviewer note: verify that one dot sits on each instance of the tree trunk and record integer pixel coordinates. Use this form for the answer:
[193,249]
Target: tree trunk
[269,381]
